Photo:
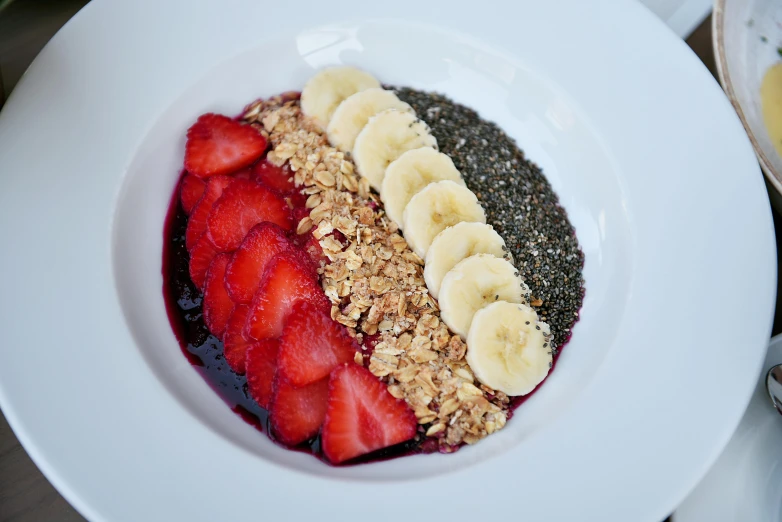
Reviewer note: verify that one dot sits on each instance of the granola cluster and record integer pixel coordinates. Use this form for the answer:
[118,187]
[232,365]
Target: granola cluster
[376,286]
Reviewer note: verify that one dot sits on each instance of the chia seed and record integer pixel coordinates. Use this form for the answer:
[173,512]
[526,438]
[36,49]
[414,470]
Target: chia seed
[519,203]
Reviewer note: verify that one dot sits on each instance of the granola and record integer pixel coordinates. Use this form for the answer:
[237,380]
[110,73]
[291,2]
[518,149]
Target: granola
[376,286]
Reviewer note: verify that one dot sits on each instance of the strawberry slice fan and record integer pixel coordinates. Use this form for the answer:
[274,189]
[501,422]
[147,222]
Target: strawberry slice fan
[263,300]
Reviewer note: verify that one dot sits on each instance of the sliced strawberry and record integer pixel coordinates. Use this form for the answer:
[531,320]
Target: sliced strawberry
[242,206]
[278,178]
[299,213]
[200,258]
[281,180]
[286,281]
[314,251]
[196,224]
[312,344]
[217,303]
[190,191]
[217,144]
[261,363]
[362,416]
[297,413]
[235,342]
[296,199]
[307,241]
[243,174]
[245,270]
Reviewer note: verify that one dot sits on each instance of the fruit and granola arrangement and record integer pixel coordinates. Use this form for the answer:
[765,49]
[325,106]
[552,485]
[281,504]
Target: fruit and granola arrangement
[371,294]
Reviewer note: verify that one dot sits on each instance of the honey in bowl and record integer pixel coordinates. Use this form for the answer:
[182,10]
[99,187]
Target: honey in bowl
[771,103]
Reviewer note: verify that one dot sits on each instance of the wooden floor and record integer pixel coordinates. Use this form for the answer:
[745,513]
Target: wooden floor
[25,27]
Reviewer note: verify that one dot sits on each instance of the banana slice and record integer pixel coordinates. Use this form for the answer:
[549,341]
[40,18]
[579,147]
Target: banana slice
[474,283]
[456,243]
[438,206]
[326,90]
[508,349]
[411,172]
[386,136]
[353,113]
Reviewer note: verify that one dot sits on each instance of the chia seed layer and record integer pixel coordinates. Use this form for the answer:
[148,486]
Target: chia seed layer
[519,203]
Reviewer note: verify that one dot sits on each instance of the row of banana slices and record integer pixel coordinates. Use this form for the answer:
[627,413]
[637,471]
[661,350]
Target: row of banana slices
[482,297]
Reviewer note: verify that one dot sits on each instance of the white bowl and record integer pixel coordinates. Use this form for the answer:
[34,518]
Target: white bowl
[746,37]
[94,383]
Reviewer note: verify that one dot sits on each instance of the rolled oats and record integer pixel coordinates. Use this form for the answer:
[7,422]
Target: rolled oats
[376,285]
[304,226]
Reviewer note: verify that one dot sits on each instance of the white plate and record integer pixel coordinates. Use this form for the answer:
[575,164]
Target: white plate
[682,16]
[745,483]
[671,214]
